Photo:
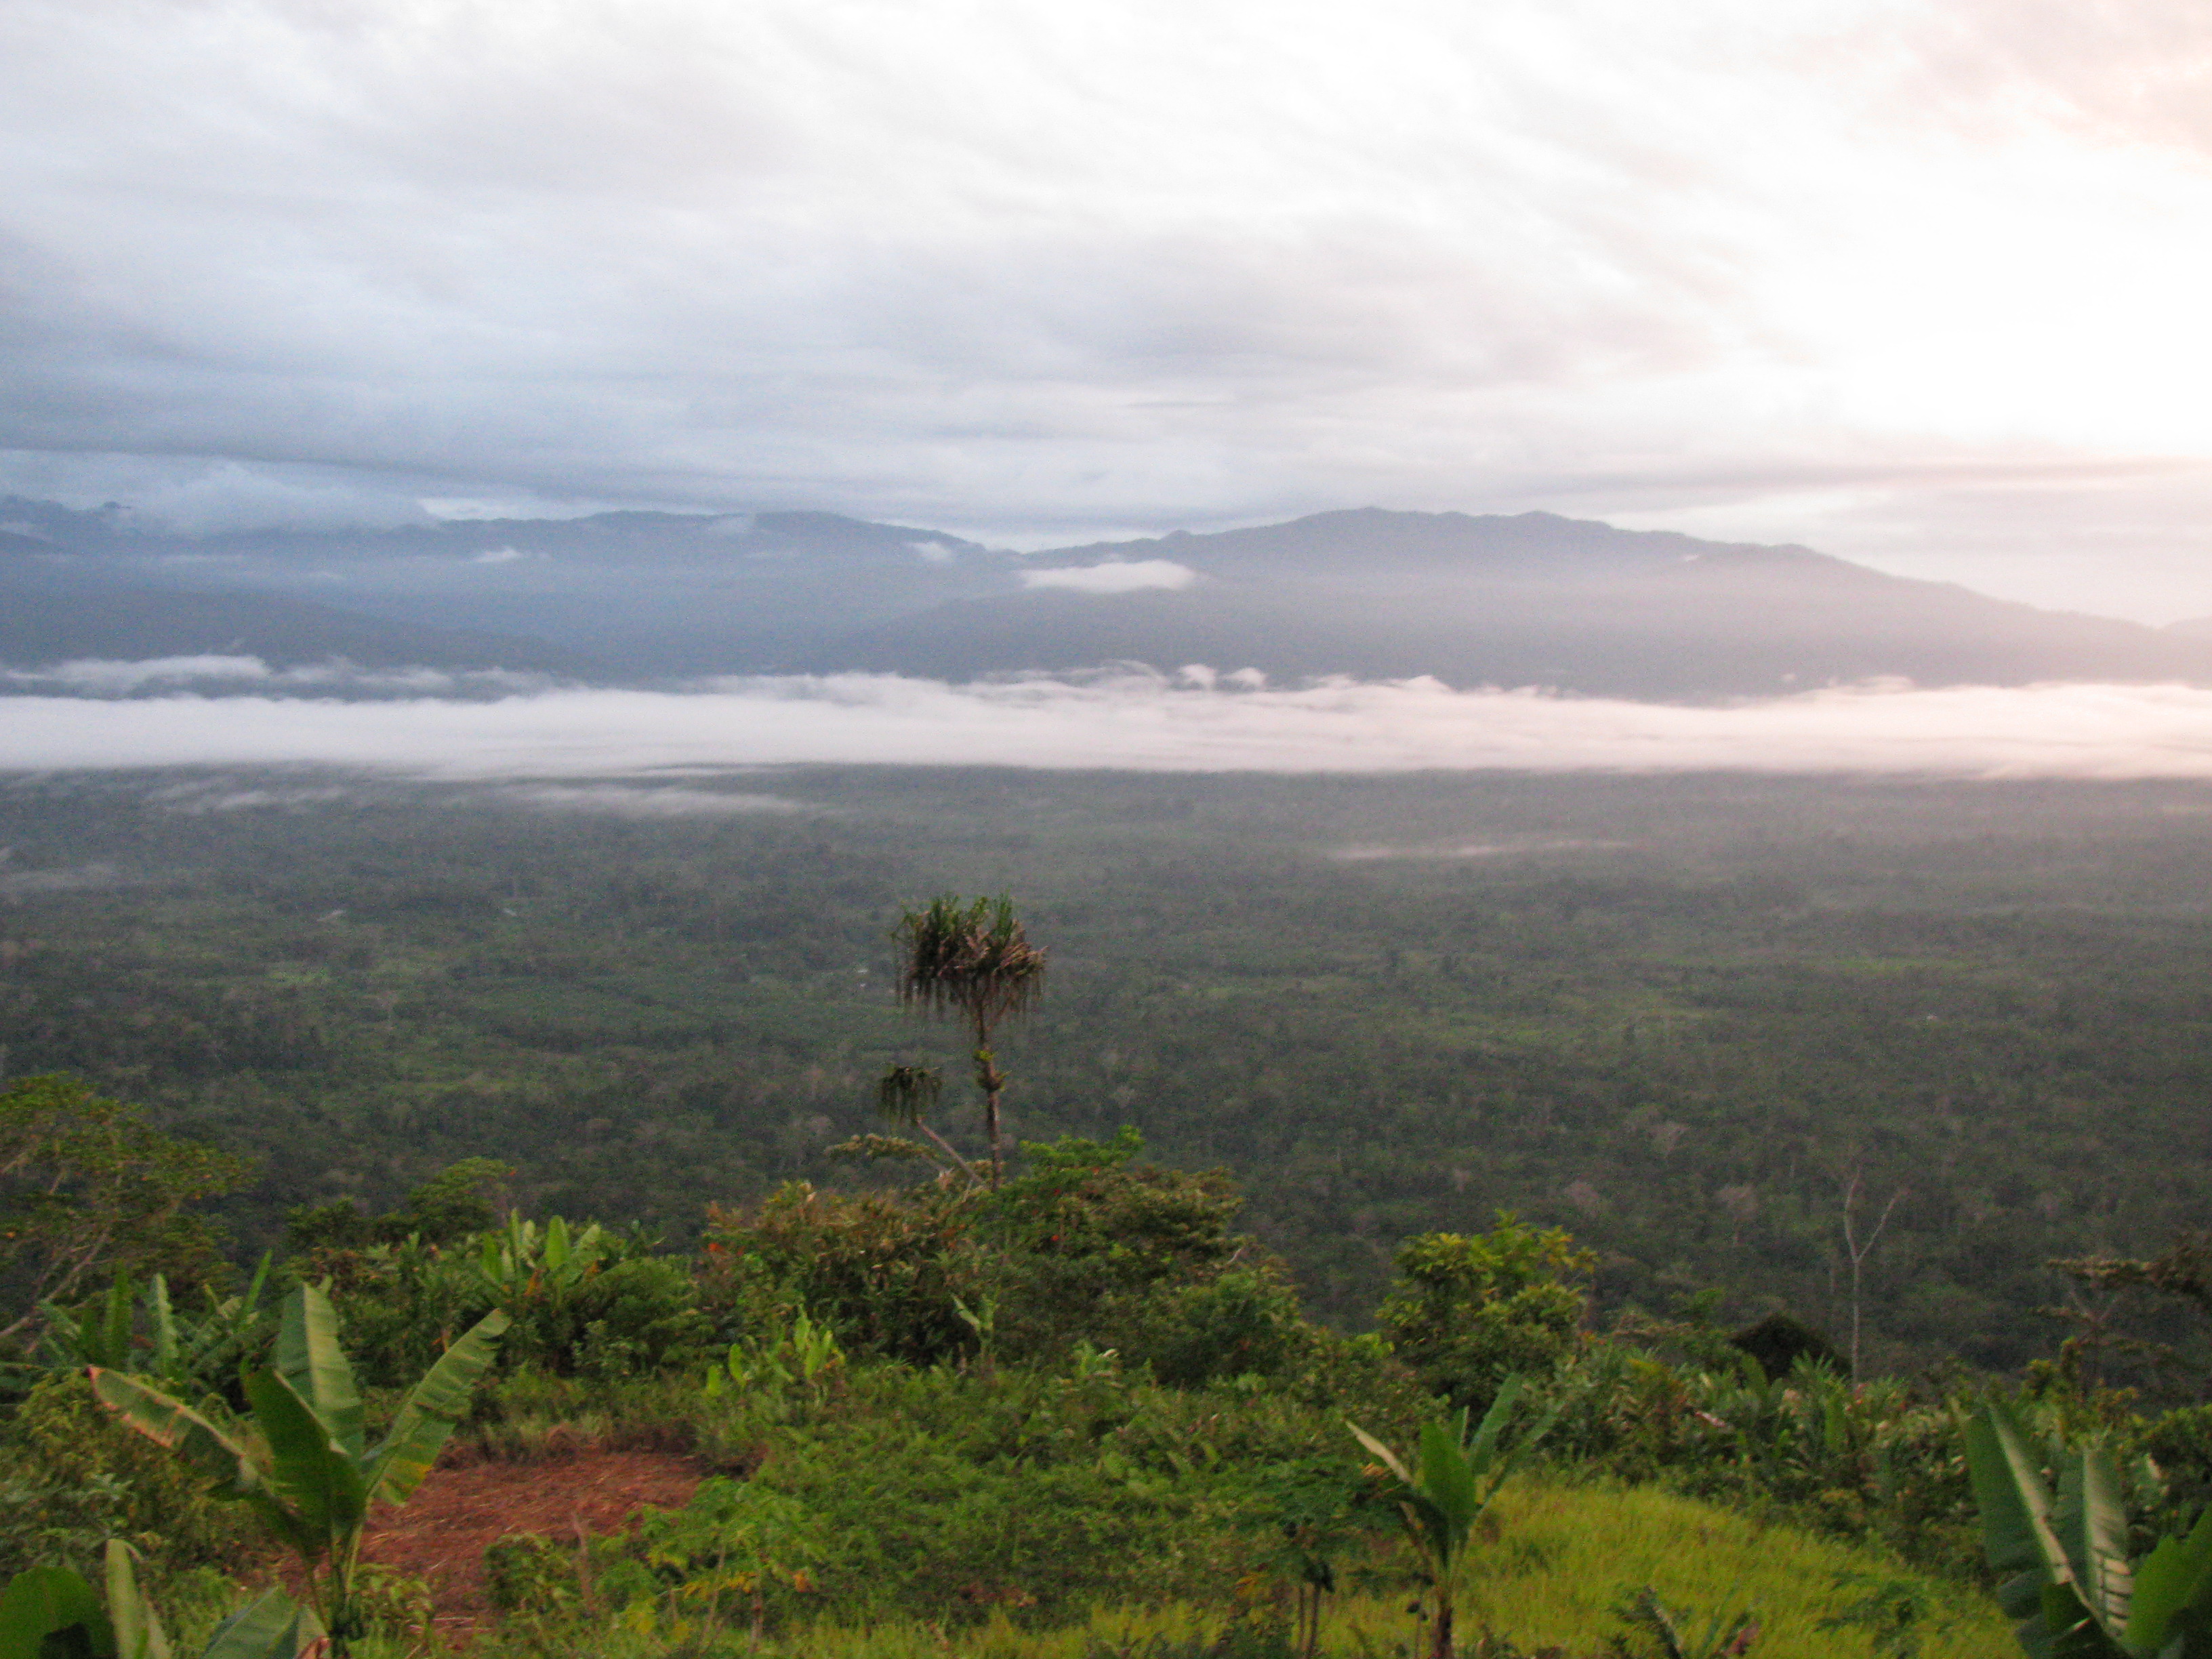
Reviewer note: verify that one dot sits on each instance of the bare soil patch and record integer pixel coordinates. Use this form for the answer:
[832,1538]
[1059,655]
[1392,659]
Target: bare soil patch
[440,1533]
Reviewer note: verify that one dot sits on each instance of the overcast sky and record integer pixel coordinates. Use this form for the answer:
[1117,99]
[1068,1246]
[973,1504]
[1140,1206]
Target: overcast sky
[1924,284]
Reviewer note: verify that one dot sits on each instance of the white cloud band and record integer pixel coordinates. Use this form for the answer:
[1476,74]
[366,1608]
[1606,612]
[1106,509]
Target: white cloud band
[1139,722]
[1114,576]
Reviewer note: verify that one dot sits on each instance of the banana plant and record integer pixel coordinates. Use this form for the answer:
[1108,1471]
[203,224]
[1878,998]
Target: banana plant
[2067,1582]
[1446,1490]
[804,1353]
[303,1463]
[525,1260]
[145,1334]
[49,1613]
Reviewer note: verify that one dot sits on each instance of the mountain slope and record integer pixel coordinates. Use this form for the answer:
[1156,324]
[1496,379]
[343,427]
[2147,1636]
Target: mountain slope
[46,624]
[1530,599]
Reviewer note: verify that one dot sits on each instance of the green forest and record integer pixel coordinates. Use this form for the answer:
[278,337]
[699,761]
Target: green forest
[1492,1214]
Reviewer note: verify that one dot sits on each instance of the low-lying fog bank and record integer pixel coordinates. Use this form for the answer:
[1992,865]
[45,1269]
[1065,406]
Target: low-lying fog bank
[1194,721]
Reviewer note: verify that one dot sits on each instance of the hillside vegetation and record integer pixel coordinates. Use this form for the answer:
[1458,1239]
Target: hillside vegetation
[1076,1412]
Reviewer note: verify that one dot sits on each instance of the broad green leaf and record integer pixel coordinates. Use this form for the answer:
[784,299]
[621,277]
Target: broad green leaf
[2091,1523]
[114,1348]
[1501,1469]
[2014,1506]
[2173,1592]
[309,1360]
[2069,1629]
[43,1603]
[138,1633]
[1444,1479]
[218,1455]
[1495,1419]
[274,1627]
[308,1470]
[251,1302]
[431,1409]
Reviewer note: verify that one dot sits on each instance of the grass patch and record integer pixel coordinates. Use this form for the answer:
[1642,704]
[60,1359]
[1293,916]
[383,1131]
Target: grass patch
[1561,1559]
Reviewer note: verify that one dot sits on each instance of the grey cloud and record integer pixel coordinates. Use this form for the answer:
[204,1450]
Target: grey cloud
[1009,269]
[99,677]
[20,884]
[665,801]
[647,801]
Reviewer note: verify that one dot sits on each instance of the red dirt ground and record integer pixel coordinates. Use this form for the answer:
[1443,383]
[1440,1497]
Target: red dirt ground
[440,1535]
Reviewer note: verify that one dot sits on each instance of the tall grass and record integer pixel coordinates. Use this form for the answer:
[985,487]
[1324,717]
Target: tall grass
[1557,1561]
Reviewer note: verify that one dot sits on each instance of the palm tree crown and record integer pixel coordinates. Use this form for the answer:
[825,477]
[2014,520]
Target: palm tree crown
[971,959]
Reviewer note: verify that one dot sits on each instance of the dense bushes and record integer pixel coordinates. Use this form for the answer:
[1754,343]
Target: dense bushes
[71,1478]
[1466,1311]
[1090,1246]
[1083,1388]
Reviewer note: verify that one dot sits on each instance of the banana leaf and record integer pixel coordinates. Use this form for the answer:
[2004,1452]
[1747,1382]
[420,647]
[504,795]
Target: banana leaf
[221,1456]
[432,1408]
[314,1480]
[164,1320]
[137,1633]
[49,1613]
[309,1360]
[2173,1596]
[274,1627]
[2090,1521]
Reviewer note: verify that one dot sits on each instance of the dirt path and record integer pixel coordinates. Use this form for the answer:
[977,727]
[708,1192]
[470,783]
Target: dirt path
[440,1534]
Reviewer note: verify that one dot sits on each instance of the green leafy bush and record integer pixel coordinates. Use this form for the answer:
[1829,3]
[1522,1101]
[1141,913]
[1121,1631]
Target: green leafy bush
[529,1573]
[1467,1311]
[584,1301]
[71,1477]
[887,1273]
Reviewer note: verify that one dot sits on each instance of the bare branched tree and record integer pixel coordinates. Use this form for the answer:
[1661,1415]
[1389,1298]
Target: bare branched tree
[1858,1248]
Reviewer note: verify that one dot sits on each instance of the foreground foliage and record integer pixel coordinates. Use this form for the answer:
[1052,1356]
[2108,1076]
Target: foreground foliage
[2068,1582]
[304,1465]
[1016,1413]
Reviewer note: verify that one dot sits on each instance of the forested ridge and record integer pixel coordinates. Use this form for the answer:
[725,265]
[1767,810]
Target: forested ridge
[1675,1015]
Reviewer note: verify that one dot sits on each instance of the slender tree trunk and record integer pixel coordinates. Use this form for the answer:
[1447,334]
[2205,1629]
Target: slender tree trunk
[993,1082]
[1859,1250]
[1441,1646]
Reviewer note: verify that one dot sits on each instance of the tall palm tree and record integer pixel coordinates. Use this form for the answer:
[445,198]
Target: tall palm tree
[970,961]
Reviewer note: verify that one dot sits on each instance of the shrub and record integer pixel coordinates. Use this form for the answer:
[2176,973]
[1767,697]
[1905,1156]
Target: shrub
[528,1573]
[1245,1323]
[886,1273]
[1467,1311]
[71,1477]
[1778,1341]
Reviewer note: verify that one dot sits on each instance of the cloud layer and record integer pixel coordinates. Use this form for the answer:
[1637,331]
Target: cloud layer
[1133,722]
[1812,269]
[1114,576]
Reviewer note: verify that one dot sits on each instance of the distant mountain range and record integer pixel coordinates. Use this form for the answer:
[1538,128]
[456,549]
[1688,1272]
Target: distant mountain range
[1530,599]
